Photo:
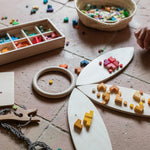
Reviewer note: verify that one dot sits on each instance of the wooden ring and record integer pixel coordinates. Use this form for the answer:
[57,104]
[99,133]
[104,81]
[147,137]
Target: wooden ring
[53,95]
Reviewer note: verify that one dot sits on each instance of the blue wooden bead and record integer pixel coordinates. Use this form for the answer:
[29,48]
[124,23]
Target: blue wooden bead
[45,1]
[74,22]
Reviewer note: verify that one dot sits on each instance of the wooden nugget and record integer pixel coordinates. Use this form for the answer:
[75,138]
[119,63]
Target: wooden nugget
[93,90]
[143,100]
[118,100]
[120,93]
[141,92]
[104,102]
[125,103]
[101,87]
[98,95]
[138,109]
[131,106]
[106,97]
[114,89]
[137,96]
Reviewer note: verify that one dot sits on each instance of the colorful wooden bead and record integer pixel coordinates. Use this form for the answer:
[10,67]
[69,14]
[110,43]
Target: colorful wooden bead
[121,65]
[50,82]
[66,19]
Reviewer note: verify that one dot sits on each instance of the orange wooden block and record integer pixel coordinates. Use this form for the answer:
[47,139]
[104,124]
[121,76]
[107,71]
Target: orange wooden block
[141,92]
[114,89]
[118,100]
[77,70]
[63,66]
[4,50]
[107,9]
[148,101]
[101,87]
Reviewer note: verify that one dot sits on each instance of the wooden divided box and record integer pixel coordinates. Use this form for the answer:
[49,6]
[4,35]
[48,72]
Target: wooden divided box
[20,41]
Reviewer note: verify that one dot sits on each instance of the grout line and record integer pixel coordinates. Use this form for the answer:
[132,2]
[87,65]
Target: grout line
[81,56]
[136,78]
[59,2]
[62,130]
[109,42]
[58,112]
[42,133]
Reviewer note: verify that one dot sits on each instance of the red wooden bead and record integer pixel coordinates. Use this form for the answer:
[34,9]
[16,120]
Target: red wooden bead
[121,65]
[110,70]
[100,63]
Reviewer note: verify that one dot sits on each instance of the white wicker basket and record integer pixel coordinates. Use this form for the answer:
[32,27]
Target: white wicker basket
[130,5]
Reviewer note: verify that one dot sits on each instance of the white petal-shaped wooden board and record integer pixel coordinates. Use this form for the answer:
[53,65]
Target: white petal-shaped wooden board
[96,138]
[6,89]
[127,95]
[94,73]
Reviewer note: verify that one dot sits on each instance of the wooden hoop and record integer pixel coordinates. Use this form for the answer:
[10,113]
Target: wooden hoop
[53,95]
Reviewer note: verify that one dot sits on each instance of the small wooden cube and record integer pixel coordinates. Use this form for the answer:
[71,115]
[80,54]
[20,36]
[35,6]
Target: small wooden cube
[125,103]
[138,109]
[131,106]
[101,87]
[104,102]
[148,101]
[143,100]
[106,97]
[98,95]
[87,122]
[118,100]
[137,96]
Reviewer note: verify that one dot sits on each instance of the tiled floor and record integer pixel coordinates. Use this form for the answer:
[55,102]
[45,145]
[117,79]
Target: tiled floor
[126,132]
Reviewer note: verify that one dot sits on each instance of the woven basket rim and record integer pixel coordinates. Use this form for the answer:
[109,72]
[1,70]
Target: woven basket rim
[109,24]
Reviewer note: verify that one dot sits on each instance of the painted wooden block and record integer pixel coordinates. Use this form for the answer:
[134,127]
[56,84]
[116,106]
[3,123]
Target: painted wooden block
[28,34]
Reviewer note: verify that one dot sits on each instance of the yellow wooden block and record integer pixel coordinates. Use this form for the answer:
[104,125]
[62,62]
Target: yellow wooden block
[87,121]
[89,115]
[78,124]
[138,109]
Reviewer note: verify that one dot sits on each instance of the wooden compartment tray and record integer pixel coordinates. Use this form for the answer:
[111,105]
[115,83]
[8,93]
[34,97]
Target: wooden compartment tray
[26,33]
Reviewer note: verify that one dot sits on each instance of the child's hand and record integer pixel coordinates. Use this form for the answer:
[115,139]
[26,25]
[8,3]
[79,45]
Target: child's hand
[143,37]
